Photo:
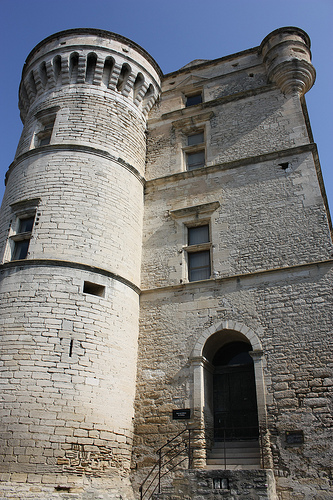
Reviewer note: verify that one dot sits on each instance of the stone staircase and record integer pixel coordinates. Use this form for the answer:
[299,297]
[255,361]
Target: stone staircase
[226,484]
[234,455]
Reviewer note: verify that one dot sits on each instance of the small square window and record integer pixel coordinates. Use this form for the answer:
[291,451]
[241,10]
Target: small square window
[192,100]
[44,135]
[21,249]
[26,225]
[195,139]
[45,124]
[199,266]
[195,160]
[94,289]
[198,234]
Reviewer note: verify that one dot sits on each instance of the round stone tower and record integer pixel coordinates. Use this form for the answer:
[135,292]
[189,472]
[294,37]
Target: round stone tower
[70,248]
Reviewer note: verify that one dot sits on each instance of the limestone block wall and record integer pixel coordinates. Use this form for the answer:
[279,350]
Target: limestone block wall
[268,217]
[90,209]
[68,363]
[261,193]
[290,312]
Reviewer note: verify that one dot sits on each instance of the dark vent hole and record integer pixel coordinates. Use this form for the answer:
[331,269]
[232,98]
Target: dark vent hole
[284,166]
[220,483]
[62,488]
[94,289]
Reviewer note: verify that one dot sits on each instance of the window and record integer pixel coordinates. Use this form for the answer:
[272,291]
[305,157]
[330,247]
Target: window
[44,135]
[195,139]
[198,252]
[24,219]
[195,151]
[45,124]
[192,100]
[22,237]
[94,289]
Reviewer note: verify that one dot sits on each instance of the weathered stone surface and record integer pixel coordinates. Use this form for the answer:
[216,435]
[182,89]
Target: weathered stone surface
[103,334]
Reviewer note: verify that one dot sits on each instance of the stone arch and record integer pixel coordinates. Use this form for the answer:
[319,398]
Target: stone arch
[90,67]
[73,67]
[202,371]
[43,74]
[57,69]
[226,325]
[123,77]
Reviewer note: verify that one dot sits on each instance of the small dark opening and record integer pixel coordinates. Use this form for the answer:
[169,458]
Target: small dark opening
[220,483]
[193,99]
[71,348]
[284,166]
[63,488]
[94,289]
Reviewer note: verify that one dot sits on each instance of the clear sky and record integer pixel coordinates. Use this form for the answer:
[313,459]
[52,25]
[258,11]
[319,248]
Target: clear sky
[174,32]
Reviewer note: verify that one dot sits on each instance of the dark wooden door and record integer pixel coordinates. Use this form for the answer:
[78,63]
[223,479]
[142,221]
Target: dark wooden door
[235,403]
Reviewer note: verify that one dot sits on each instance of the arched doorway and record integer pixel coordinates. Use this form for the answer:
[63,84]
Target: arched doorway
[234,393]
[230,401]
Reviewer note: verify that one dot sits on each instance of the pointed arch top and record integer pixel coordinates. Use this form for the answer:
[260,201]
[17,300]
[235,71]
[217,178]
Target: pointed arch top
[226,325]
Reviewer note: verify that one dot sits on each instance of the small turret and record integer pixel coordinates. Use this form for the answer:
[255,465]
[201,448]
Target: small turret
[286,54]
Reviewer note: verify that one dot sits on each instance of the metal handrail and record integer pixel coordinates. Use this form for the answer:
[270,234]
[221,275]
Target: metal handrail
[152,482]
[148,486]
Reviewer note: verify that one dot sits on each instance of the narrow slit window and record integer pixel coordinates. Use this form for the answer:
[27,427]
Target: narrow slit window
[198,250]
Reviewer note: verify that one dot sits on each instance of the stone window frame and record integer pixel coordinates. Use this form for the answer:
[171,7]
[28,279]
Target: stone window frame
[194,149]
[193,98]
[194,216]
[188,126]
[198,248]
[22,211]
[44,127]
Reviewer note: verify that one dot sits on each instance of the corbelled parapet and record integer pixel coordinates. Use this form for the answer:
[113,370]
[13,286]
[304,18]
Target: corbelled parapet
[287,56]
[92,57]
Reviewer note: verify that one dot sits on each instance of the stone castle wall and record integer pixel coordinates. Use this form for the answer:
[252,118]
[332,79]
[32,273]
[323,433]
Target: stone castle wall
[102,332]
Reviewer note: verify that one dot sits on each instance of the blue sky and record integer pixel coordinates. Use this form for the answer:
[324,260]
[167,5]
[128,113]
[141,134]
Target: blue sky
[174,32]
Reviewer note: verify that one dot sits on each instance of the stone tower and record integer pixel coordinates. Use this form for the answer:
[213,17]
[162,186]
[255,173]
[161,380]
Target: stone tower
[199,192]
[71,235]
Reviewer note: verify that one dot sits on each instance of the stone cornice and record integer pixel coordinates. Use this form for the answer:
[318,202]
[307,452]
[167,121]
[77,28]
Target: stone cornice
[64,263]
[188,287]
[50,148]
[208,169]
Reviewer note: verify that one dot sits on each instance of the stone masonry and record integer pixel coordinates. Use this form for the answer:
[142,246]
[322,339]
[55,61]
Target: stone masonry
[108,323]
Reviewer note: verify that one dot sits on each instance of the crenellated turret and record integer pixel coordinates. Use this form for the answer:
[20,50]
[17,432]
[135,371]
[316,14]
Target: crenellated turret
[87,57]
[287,56]
[70,243]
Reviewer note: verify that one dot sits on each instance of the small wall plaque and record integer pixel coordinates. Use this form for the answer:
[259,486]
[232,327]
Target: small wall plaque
[294,437]
[183,414]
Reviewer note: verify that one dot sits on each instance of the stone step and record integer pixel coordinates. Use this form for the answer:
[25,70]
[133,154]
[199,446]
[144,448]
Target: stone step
[236,444]
[233,461]
[241,452]
[232,467]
